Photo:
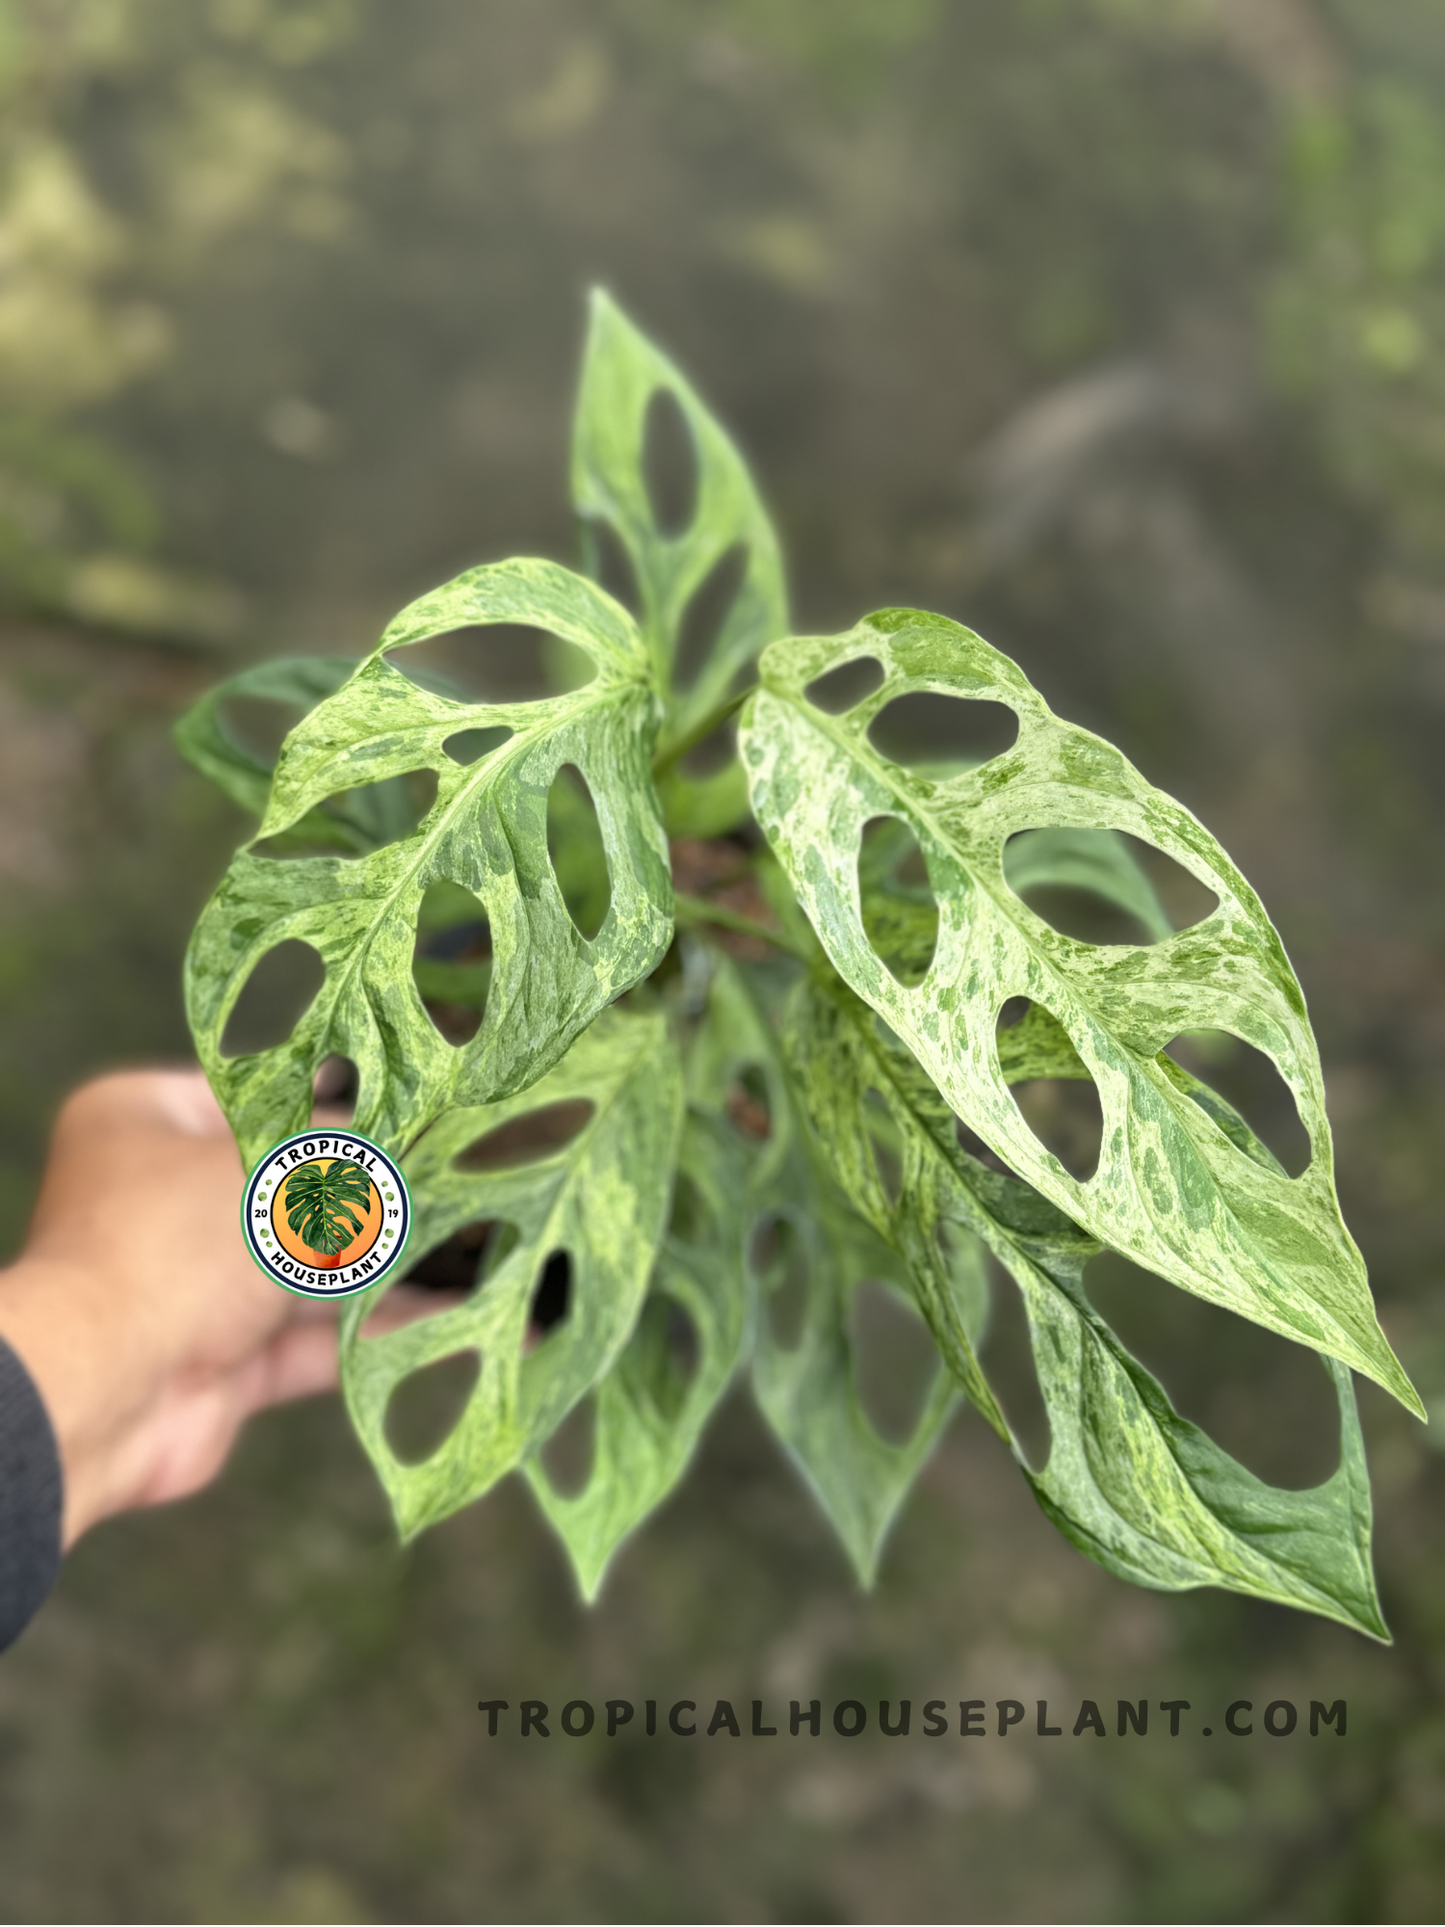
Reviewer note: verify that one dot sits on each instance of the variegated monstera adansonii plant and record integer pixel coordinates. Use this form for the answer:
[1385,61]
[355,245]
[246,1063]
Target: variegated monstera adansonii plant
[777,1050]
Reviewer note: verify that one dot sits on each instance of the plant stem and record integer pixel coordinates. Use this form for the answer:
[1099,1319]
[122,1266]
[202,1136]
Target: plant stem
[674,753]
[699,910]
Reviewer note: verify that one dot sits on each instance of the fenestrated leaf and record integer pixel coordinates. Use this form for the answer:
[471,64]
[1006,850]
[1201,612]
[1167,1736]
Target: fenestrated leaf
[620,374]
[1154,1499]
[653,1404]
[650,1411]
[202,737]
[487,832]
[908,1221]
[1140,1489]
[808,1391]
[601,1198]
[352,824]
[1171,1190]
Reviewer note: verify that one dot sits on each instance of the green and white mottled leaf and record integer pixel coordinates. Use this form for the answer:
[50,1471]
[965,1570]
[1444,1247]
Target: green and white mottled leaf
[1150,1496]
[808,1391]
[1171,1191]
[650,1411]
[1138,1488]
[602,1198]
[653,1404]
[906,1214]
[487,832]
[620,374]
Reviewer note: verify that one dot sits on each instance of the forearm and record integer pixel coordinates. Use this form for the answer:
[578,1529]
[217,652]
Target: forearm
[89,1370]
[31,1493]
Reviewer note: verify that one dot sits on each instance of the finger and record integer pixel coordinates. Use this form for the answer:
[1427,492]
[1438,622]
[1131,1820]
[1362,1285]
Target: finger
[170,1100]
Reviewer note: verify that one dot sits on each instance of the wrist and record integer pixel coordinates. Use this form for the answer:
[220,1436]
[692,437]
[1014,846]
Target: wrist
[53,1315]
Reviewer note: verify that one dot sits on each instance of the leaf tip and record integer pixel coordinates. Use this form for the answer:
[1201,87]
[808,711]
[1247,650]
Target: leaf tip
[1395,1380]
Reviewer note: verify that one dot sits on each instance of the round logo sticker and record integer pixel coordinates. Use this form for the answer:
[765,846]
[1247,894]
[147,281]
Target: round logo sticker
[326,1213]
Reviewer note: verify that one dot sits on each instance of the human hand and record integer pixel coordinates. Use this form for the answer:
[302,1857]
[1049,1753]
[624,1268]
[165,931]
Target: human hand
[149,1331]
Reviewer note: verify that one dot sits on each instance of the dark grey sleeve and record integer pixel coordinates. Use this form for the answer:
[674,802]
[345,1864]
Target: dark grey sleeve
[30,1499]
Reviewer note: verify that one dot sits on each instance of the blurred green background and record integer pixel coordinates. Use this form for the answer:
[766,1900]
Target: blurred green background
[1113,327]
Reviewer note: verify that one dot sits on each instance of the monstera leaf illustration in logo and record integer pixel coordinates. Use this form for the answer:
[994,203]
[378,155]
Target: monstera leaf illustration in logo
[319,1200]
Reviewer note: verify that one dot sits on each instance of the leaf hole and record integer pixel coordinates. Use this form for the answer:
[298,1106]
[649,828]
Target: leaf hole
[884,1143]
[570,1453]
[1262,1398]
[337,1083]
[551,1304]
[527,1139]
[280,990]
[668,1352]
[1094,874]
[451,965]
[964,1254]
[970,1141]
[1085,917]
[1031,1042]
[927,728]
[607,561]
[779,1262]
[1007,1354]
[684,1344]
[448,917]
[900,921]
[579,856]
[749,1105]
[467,1258]
[838,690]
[706,614]
[1067,1118]
[894,1361]
[427,1406]
[669,464]
[354,822]
[689,1216]
[471,745]
[495,662]
[890,857]
[1249,1080]
[1104,886]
